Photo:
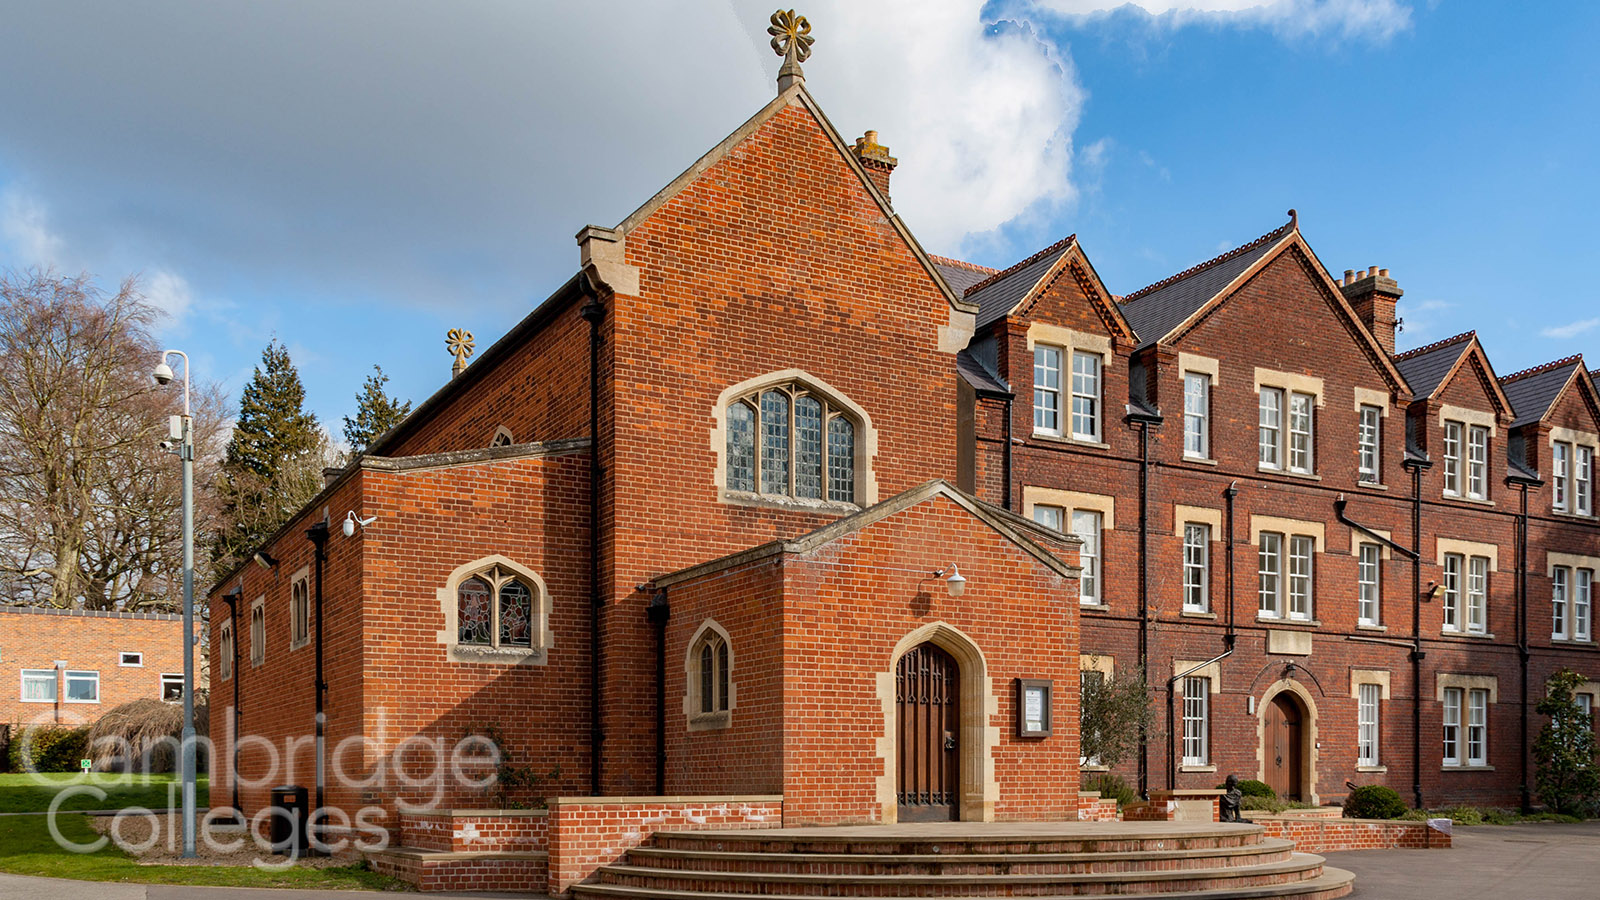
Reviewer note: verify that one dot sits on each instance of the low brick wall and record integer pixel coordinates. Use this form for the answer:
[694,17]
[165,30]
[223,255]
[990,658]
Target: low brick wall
[1318,834]
[1094,808]
[501,830]
[589,832]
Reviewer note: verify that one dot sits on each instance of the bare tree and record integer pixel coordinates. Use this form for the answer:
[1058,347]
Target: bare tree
[89,505]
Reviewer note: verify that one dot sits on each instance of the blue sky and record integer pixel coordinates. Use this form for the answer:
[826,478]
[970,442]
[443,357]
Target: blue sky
[358,178]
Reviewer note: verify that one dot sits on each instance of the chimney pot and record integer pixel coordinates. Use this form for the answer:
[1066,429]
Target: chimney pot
[1372,271]
[1383,273]
[1349,276]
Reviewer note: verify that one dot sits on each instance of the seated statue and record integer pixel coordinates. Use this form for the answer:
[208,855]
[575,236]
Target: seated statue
[1231,801]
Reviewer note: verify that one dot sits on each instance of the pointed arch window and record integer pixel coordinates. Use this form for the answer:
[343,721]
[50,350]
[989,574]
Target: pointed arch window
[787,440]
[709,699]
[494,608]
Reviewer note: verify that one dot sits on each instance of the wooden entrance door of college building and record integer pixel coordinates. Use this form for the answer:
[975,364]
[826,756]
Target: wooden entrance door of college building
[928,710]
[1282,750]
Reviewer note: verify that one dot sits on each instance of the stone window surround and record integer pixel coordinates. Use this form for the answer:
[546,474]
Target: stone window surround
[1212,672]
[1467,549]
[1573,561]
[1105,664]
[1380,400]
[1379,677]
[1194,364]
[716,719]
[866,444]
[1467,684]
[258,648]
[1289,528]
[502,432]
[1104,504]
[225,637]
[539,620]
[1291,383]
[1576,439]
[1068,341]
[301,576]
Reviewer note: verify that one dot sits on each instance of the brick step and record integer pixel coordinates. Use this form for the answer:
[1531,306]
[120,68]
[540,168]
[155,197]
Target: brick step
[1268,850]
[463,870]
[1299,867]
[1330,884]
[992,841]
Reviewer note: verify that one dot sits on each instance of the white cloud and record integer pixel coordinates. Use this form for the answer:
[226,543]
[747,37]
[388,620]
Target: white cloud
[1376,20]
[169,292]
[1571,329]
[23,225]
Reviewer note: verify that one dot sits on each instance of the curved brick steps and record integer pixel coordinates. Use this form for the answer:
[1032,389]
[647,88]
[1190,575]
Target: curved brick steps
[1268,850]
[1170,861]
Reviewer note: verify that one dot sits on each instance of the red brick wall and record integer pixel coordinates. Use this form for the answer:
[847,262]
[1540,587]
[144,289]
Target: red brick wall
[587,834]
[86,641]
[520,832]
[1316,835]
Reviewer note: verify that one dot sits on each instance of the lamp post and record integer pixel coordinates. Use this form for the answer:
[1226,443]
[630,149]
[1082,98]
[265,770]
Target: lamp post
[181,442]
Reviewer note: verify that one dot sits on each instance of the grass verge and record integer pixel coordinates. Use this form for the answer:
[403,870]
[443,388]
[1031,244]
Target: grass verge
[22,792]
[26,848]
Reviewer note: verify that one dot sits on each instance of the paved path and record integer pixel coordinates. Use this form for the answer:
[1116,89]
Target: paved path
[18,887]
[1487,862]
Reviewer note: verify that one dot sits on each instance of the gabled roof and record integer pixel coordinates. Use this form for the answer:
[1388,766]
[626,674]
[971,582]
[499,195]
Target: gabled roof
[1020,531]
[1425,368]
[1166,310]
[1155,311]
[1001,292]
[1533,392]
[960,274]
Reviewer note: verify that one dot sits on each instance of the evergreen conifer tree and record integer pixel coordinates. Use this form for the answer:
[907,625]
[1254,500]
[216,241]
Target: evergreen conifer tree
[376,413]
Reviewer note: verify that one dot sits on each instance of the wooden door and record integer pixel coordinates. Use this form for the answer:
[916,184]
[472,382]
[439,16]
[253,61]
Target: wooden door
[1282,750]
[928,693]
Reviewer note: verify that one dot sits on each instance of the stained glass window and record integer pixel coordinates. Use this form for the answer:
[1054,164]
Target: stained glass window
[841,460]
[516,615]
[741,447]
[473,611]
[808,448]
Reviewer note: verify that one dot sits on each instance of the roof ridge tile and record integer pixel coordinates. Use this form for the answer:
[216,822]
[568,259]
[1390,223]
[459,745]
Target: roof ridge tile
[1016,267]
[1418,351]
[1544,367]
[961,264]
[1270,237]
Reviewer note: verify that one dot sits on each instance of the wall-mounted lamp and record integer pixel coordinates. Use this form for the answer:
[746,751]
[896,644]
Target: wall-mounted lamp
[1433,591]
[351,520]
[265,560]
[956,583]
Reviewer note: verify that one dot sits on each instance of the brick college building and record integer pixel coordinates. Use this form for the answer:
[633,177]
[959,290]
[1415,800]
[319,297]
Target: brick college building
[69,666]
[766,500]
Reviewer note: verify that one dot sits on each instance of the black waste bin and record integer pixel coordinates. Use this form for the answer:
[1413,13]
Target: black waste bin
[288,825]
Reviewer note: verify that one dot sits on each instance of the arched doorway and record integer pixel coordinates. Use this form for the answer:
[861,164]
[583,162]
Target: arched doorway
[1283,727]
[928,717]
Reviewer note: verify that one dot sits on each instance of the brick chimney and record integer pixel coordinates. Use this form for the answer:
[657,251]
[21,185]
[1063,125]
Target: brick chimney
[876,160]
[1373,295]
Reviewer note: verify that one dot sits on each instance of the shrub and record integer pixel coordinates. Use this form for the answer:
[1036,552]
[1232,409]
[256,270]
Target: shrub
[144,735]
[1374,801]
[1112,786]
[1114,711]
[47,748]
[1568,777]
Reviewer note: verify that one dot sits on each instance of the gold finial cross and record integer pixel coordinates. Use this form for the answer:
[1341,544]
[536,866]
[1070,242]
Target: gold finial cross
[459,342]
[792,40]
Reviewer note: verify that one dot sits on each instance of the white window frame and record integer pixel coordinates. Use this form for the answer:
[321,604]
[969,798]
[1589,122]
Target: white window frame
[1477,749]
[1302,433]
[1560,472]
[1560,600]
[1087,389]
[1369,451]
[258,631]
[1269,565]
[172,678]
[1090,528]
[1302,577]
[1451,720]
[1196,721]
[1047,418]
[1196,415]
[1477,607]
[123,659]
[1454,566]
[1477,462]
[1368,717]
[1196,567]
[1582,607]
[1052,517]
[38,675]
[1583,480]
[71,675]
[300,609]
[1452,458]
[1369,581]
[1269,424]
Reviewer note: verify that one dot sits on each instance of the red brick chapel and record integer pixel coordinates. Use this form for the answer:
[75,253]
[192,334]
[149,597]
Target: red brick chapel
[766,501]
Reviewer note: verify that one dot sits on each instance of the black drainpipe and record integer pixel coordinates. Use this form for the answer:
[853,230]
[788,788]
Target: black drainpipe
[318,534]
[1007,457]
[1413,553]
[1230,494]
[1144,420]
[659,612]
[233,598]
[1523,653]
[593,313]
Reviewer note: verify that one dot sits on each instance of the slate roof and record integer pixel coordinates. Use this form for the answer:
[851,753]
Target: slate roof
[1155,310]
[960,274]
[1426,367]
[978,375]
[1532,391]
[999,293]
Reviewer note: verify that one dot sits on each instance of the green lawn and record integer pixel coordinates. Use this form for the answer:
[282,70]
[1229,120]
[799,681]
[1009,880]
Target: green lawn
[33,793]
[26,848]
